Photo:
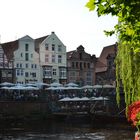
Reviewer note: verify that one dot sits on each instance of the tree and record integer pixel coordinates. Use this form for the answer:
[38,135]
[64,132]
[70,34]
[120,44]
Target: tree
[128,51]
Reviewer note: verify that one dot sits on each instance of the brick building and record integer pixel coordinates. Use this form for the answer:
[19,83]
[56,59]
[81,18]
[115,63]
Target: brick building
[81,67]
[105,66]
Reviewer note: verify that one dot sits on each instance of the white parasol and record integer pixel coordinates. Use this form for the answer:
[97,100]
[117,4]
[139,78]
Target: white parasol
[71,85]
[6,84]
[97,86]
[87,87]
[108,86]
[55,84]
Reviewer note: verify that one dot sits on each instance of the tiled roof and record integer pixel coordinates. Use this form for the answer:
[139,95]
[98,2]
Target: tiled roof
[73,54]
[9,48]
[69,54]
[38,41]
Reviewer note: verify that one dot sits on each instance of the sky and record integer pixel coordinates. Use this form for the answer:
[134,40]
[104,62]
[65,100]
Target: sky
[69,19]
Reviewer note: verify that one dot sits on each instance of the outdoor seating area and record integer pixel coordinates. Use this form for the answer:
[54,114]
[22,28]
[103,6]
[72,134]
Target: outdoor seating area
[60,98]
[19,92]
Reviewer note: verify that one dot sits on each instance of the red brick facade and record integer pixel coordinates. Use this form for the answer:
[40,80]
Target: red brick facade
[80,67]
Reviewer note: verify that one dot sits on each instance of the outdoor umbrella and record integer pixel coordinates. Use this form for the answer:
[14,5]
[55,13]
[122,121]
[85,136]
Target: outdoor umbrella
[87,87]
[6,84]
[97,86]
[55,84]
[108,86]
[72,85]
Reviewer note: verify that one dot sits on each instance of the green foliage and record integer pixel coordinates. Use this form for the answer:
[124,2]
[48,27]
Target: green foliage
[109,33]
[128,52]
[91,5]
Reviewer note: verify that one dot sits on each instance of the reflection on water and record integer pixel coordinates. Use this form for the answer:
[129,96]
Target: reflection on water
[66,131]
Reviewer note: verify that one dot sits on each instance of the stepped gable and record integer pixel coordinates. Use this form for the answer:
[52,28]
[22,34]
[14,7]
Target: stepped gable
[9,49]
[101,64]
[81,48]
[75,54]
[38,41]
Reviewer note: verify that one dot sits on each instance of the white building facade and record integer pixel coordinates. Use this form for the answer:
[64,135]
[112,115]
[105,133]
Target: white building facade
[26,62]
[37,60]
[52,57]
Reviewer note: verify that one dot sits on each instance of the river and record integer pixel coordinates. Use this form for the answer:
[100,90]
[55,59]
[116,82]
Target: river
[65,130]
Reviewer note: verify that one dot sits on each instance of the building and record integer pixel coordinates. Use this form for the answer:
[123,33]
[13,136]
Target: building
[81,67]
[37,60]
[25,59]
[6,68]
[52,58]
[105,66]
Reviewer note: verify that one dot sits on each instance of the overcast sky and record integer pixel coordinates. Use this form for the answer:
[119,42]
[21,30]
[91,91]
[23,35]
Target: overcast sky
[69,19]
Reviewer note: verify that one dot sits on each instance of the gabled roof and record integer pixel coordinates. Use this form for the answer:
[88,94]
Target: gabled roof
[105,52]
[9,48]
[101,65]
[25,37]
[38,41]
[73,54]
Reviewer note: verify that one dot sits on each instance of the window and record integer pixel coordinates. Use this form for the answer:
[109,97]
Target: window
[59,59]
[76,64]
[89,77]
[26,74]
[46,58]
[54,71]
[21,54]
[26,47]
[26,56]
[53,47]
[72,73]
[81,65]
[84,65]
[48,72]
[72,64]
[21,72]
[31,55]
[35,66]
[59,48]
[32,66]
[88,65]
[47,46]
[20,65]
[27,65]
[62,72]
[17,72]
[17,65]
[1,64]
[9,72]
[53,58]
[33,74]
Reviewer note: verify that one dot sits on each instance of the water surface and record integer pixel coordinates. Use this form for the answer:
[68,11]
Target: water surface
[66,130]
